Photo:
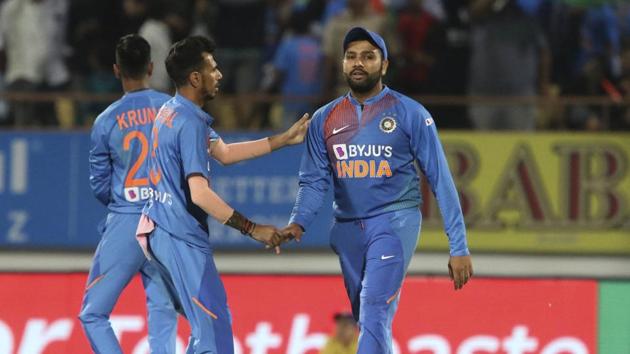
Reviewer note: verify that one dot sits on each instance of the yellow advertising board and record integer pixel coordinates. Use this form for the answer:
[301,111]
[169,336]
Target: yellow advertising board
[537,193]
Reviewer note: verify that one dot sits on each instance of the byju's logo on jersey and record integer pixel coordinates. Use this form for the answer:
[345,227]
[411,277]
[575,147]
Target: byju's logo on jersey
[341,152]
[364,163]
[132,194]
[136,194]
[345,151]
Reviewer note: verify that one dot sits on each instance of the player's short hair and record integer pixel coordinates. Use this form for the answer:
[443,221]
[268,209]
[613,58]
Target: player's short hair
[344,317]
[133,55]
[186,56]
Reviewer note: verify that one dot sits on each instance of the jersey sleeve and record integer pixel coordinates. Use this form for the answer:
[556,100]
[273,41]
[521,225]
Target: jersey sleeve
[314,176]
[428,151]
[213,135]
[100,162]
[193,147]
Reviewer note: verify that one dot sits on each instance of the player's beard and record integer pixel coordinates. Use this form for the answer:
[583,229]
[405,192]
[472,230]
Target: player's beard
[208,95]
[209,89]
[368,84]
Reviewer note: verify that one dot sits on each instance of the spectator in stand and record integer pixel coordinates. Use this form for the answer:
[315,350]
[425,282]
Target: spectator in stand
[623,13]
[33,39]
[158,33]
[204,14]
[333,8]
[99,79]
[449,44]
[586,44]
[600,38]
[414,28]
[277,17]
[297,70]
[133,16]
[239,51]
[509,58]
[591,82]
[89,22]
[345,337]
[561,23]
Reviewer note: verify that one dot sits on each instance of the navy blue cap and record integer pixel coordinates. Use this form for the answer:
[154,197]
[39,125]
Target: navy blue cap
[362,34]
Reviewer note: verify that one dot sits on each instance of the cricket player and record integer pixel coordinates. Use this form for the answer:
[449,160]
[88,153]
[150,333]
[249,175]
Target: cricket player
[119,179]
[174,230]
[368,141]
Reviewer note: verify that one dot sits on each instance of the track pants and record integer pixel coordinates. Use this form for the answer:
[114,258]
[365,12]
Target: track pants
[374,254]
[118,258]
[191,272]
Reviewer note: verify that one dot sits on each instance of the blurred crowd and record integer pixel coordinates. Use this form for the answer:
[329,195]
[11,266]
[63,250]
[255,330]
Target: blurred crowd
[531,52]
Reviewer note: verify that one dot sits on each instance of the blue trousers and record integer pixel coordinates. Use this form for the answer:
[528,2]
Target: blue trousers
[374,254]
[191,273]
[117,260]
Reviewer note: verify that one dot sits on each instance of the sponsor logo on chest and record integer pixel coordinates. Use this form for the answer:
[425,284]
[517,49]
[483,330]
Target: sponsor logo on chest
[362,160]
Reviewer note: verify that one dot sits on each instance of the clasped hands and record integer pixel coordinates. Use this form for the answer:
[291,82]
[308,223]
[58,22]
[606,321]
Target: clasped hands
[271,236]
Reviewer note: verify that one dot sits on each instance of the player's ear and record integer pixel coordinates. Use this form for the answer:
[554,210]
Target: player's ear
[116,70]
[384,67]
[194,78]
[150,69]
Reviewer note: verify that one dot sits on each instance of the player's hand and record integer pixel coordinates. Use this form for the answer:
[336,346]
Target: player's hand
[297,132]
[268,234]
[460,270]
[292,231]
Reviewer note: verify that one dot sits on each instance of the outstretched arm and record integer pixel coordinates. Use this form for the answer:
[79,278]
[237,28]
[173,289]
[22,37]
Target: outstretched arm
[205,198]
[314,181]
[236,152]
[194,157]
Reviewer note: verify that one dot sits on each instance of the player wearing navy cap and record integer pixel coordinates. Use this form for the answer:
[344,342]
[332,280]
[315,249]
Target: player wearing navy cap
[368,142]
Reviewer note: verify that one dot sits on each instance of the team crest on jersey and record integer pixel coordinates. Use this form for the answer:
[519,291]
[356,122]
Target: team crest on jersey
[387,125]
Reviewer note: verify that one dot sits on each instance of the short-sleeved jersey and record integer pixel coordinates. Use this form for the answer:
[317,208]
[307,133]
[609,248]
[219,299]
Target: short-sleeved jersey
[370,151]
[119,150]
[179,149]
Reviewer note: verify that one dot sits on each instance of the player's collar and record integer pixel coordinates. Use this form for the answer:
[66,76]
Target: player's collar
[136,92]
[193,107]
[370,100]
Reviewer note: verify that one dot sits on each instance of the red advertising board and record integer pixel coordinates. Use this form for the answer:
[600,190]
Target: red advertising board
[292,314]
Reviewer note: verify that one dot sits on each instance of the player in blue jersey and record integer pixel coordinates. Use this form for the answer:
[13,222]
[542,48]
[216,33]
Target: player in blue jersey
[368,142]
[119,179]
[175,218]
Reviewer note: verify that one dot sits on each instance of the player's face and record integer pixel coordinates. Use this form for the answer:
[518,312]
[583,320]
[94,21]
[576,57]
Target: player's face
[363,66]
[345,330]
[210,77]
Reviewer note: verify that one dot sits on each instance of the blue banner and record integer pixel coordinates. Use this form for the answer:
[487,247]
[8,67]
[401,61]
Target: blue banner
[46,201]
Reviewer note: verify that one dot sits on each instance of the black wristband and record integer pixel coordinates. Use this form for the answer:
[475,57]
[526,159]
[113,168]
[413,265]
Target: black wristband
[241,223]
